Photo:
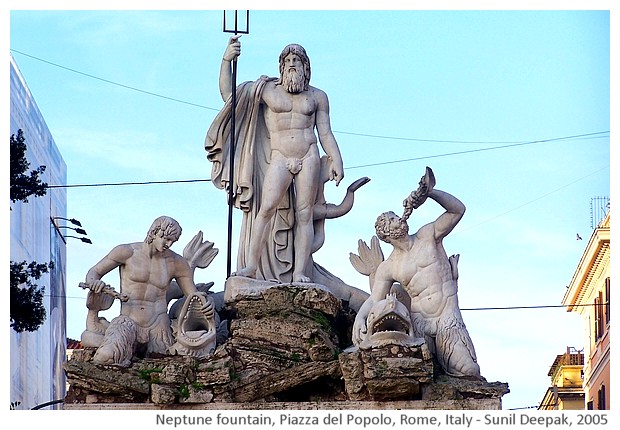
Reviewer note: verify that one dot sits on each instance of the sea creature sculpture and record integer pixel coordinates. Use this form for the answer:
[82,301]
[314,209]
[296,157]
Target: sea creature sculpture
[195,334]
[131,333]
[389,323]
[419,263]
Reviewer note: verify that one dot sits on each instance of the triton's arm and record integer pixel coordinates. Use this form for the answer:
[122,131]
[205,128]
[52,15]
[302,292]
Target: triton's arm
[451,217]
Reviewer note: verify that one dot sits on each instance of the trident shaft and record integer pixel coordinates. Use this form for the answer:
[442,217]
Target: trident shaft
[231,186]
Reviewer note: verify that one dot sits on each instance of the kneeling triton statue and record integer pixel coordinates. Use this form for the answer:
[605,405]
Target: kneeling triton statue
[146,272]
[421,266]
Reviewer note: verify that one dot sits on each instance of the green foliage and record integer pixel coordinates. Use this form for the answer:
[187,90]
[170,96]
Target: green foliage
[27,309]
[24,185]
[150,375]
[321,320]
[234,376]
[184,391]
[198,386]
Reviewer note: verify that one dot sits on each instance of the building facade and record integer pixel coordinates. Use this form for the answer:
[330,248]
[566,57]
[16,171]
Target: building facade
[589,295]
[36,358]
[566,390]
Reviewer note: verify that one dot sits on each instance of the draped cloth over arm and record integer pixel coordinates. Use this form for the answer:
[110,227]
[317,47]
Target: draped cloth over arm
[251,158]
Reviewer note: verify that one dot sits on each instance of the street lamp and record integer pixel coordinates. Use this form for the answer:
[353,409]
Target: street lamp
[83,239]
[77,230]
[71,220]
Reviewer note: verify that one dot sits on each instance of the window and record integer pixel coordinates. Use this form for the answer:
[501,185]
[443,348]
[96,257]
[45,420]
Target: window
[599,320]
[607,302]
[601,399]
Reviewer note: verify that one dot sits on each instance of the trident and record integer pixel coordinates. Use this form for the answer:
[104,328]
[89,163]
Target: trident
[231,193]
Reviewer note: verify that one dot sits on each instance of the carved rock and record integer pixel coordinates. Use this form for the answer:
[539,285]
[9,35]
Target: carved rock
[450,387]
[106,380]
[163,394]
[288,343]
[388,373]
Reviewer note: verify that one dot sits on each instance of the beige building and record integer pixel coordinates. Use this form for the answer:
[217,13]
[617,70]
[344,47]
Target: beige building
[566,390]
[589,295]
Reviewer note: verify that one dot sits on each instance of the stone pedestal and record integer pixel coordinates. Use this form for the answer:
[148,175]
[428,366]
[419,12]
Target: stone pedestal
[389,373]
[289,348]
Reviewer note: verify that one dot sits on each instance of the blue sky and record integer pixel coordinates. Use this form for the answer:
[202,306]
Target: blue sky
[490,100]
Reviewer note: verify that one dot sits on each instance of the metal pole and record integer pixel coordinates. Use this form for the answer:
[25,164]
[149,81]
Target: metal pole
[231,174]
[231,185]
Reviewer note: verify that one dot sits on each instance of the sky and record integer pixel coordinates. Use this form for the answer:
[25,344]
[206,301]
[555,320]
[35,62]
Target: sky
[511,110]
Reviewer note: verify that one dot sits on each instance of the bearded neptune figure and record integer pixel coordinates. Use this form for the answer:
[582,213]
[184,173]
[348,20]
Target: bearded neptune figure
[278,171]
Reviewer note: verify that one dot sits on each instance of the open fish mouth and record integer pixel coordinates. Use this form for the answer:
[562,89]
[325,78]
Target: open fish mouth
[389,316]
[195,329]
[391,322]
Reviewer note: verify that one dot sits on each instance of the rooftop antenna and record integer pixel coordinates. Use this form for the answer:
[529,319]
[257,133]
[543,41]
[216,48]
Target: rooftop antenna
[599,206]
[237,28]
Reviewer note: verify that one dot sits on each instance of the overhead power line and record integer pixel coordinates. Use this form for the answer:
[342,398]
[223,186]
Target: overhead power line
[112,82]
[506,144]
[494,308]
[184,181]
[532,142]
[110,184]
[529,202]
[488,142]
[510,308]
